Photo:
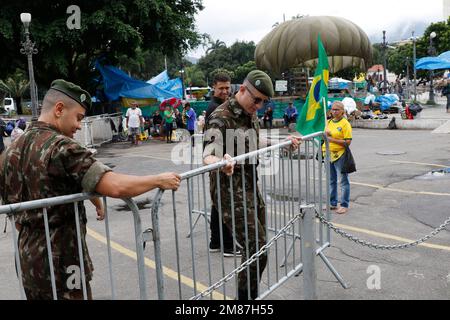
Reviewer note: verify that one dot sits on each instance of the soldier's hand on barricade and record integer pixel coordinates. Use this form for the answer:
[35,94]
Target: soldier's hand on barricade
[100,213]
[169,181]
[296,141]
[98,203]
[229,168]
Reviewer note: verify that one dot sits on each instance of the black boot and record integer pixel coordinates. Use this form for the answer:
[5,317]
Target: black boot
[243,295]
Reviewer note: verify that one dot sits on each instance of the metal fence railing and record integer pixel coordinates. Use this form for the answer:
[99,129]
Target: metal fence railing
[12,210]
[294,186]
[97,130]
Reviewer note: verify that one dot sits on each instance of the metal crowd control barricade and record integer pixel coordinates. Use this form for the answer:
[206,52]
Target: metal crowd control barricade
[197,141]
[97,130]
[13,209]
[295,188]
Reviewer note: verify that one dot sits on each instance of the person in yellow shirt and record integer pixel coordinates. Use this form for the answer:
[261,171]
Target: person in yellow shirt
[339,133]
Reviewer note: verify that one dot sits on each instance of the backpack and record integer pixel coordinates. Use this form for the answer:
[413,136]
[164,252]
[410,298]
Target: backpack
[9,128]
[392,125]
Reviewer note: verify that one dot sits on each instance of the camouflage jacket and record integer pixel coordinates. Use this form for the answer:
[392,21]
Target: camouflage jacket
[43,163]
[231,130]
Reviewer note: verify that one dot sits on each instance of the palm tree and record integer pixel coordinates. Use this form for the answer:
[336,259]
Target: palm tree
[215,45]
[15,86]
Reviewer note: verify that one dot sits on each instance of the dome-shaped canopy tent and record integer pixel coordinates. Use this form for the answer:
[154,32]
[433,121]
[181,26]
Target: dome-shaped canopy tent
[294,43]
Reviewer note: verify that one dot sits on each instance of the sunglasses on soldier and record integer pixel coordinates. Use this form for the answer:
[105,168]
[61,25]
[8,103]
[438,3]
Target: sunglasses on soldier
[256,100]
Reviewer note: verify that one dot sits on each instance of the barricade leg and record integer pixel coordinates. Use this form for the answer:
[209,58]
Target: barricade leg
[308,245]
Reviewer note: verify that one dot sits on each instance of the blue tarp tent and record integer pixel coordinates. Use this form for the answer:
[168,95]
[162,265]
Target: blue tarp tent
[162,77]
[118,84]
[445,55]
[163,82]
[434,63]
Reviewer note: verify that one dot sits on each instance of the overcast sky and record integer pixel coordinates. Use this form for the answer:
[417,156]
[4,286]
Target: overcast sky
[251,20]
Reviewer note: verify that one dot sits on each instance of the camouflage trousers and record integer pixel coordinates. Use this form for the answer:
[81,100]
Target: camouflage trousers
[251,234]
[37,294]
[249,222]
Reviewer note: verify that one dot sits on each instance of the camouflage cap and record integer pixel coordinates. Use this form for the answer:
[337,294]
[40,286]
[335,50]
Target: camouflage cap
[73,91]
[261,81]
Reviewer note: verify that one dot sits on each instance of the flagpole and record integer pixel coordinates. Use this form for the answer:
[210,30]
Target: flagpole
[325,112]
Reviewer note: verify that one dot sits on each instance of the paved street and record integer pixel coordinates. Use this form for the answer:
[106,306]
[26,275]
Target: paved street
[393,201]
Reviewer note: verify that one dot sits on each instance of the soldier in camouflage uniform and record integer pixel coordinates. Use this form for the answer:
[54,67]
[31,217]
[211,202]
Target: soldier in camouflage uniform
[240,115]
[46,162]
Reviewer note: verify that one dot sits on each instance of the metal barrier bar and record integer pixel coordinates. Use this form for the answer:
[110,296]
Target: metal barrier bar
[219,210]
[17,257]
[108,245]
[75,199]
[80,249]
[177,244]
[50,255]
[309,252]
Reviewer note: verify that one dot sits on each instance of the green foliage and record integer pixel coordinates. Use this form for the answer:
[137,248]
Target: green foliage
[348,73]
[194,77]
[399,58]
[230,58]
[15,86]
[109,30]
[242,71]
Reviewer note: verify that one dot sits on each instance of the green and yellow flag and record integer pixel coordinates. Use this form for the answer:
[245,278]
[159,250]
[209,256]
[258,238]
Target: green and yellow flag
[312,117]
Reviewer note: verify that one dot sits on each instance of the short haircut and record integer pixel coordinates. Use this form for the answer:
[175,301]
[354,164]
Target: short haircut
[221,77]
[52,97]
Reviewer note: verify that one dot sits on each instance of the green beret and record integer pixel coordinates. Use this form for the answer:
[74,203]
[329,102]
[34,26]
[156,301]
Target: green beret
[261,81]
[73,91]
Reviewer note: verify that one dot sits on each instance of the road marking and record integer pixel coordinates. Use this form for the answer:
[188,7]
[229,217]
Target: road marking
[375,186]
[390,237]
[151,264]
[420,163]
[383,235]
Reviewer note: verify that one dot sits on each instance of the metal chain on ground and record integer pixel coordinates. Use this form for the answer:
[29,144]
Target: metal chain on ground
[252,259]
[379,246]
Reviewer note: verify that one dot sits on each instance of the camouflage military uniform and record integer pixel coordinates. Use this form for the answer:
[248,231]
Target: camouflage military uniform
[230,115]
[43,163]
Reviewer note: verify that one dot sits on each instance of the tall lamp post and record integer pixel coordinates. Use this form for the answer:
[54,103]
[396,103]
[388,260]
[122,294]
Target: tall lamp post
[408,95]
[414,64]
[182,82]
[431,52]
[384,47]
[29,50]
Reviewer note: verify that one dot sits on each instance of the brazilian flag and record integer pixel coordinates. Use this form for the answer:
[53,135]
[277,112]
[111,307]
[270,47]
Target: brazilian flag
[312,117]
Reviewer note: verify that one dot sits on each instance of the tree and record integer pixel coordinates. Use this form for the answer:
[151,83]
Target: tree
[194,77]
[214,45]
[108,30]
[402,55]
[241,72]
[230,58]
[15,86]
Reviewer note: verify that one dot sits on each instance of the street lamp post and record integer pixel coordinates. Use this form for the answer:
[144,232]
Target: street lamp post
[431,52]
[407,78]
[414,64]
[384,46]
[29,50]
[182,82]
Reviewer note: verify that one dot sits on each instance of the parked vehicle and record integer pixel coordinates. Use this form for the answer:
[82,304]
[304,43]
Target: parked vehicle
[9,105]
